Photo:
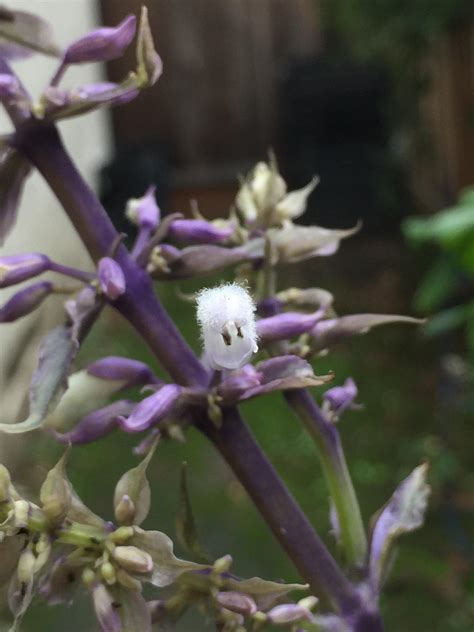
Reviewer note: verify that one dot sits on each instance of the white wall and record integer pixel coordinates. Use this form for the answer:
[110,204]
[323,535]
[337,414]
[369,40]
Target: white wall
[42,225]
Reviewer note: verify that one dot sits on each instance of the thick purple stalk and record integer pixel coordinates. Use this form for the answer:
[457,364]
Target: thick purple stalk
[290,526]
[140,306]
[43,146]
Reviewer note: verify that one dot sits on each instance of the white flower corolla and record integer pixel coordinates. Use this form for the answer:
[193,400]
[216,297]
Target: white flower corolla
[226,315]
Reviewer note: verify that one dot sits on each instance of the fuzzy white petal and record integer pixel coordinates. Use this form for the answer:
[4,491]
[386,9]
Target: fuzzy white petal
[226,315]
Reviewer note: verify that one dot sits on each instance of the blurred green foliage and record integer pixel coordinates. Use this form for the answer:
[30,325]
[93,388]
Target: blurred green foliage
[447,289]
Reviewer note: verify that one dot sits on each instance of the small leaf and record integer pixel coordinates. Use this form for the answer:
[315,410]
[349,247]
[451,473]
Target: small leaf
[49,381]
[167,567]
[14,169]
[265,592]
[22,34]
[186,531]
[55,493]
[134,484]
[403,513]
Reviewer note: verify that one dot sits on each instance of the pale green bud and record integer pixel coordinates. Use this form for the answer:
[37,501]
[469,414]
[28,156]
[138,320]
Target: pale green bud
[21,509]
[107,571]
[26,566]
[133,559]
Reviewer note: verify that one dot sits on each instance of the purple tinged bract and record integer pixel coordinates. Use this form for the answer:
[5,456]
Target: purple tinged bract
[151,409]
[102,44]
[17,268]
[111,278]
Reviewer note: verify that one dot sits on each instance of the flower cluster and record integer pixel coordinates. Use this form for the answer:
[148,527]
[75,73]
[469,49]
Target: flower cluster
[257,338]
[53,550]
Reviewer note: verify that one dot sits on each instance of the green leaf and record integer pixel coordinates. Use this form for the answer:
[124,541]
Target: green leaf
[49,381]
[449,319]
[186,531]
[440,282]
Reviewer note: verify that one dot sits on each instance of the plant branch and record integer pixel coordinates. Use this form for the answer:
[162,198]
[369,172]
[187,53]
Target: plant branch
[333,462]
[43,147]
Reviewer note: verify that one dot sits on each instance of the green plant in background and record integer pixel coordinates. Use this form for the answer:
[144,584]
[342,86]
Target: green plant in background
[446,291]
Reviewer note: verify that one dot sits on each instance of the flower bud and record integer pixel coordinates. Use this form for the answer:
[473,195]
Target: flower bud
[26,566]
[107,571]
[223,564]
[339,398]
[21,511]
[132,372]
[121,535]
[17,268]
[106,613]
[237,602]
[111,278]
[127,581]
[246,204]
[25,301]
[125,510]
[103,44]
[133,559]
[198,231]
[267,186]
[152,409]
[144,211]
[288,613]
[287,325]
[226,315]
[88,577]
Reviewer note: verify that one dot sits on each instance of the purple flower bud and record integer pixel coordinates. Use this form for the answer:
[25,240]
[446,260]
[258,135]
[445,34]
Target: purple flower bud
[288,613]
[103,44]
[151,409]
[339,398]
[17,268]
[107,615]
[111,278]
[198,231]
[95,425]
[237,602]
[144,211]
[117,368]
[25,301]
[287,325]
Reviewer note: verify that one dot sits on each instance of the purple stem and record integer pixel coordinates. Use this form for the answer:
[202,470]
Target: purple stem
[71,272]
[140,306]
[141,241]
[43,146]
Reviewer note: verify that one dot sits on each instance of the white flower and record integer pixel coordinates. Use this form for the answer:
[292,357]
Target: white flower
[226,315]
